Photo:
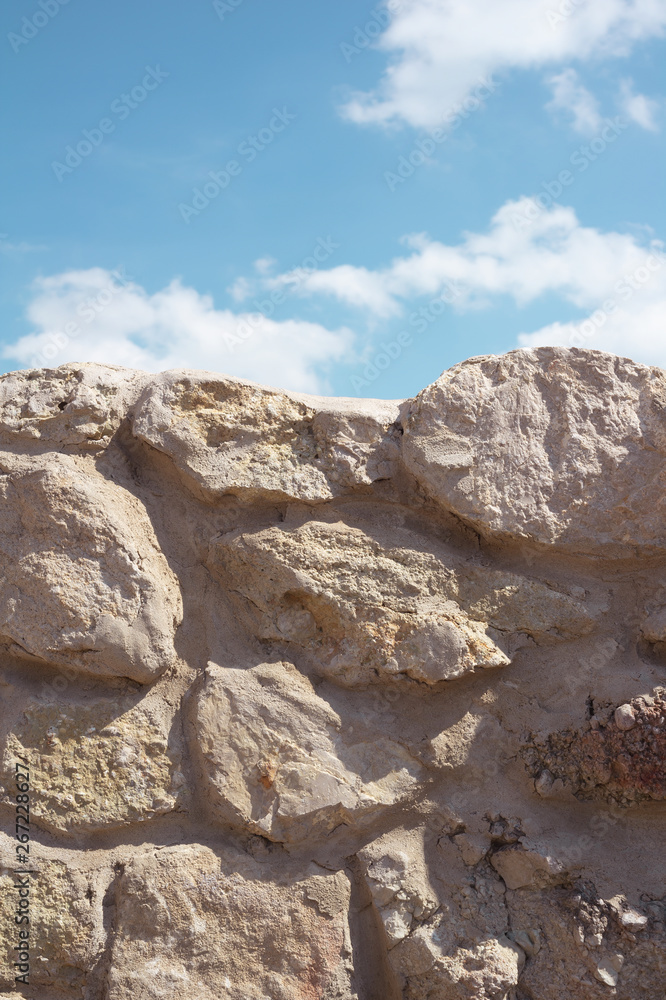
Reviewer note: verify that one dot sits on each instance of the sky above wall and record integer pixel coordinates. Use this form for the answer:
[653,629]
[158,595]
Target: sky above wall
[331,197]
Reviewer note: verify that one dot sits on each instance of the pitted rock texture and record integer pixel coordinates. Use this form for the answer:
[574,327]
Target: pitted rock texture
[366,611]
[622,757]
[231,437]
[105,762]
[84,582]
[328,699]
[559,447]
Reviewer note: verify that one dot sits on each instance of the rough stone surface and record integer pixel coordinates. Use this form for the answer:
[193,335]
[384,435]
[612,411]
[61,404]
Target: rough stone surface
[335,699]
[250,937]
[278,762]
[84,582]
[563,447]
[365,610]
[613,760]
[231,437]
[72,405]
[104,763]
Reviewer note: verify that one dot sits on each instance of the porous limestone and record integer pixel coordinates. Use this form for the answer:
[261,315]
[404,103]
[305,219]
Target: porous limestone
[84,583]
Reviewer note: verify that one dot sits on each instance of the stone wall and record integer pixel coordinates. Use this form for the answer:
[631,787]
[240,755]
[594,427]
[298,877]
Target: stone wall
[324,699]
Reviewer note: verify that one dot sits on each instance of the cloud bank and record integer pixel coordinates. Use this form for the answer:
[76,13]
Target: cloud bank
[98,315]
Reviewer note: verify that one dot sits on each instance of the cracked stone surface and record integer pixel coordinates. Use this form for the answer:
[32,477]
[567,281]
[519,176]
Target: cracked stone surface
[329,699]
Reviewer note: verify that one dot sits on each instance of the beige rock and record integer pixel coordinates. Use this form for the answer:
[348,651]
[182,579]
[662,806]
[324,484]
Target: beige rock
[434,948]
[560,447]
[633,921]
[228,436]
[67,936]
[193,923]
[364,611]
[484,971]
[473,848]
[565,963]
[72,405]
[396,874]
[522,866]
[625,717]
[101,764]
[275,761]
[84,583]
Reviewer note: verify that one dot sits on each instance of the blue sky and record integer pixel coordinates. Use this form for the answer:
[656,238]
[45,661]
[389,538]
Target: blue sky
[331,197]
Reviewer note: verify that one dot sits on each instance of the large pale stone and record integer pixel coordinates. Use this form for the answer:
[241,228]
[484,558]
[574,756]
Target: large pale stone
[72,405]
[100,764]
[193,924]
[276,761]
[365,610]
[562,447]
[84,583]
[227,436]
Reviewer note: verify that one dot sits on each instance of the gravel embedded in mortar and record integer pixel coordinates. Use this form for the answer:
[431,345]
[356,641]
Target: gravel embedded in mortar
[608,762]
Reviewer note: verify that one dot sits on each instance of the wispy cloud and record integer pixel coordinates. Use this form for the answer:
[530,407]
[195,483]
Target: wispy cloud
[576,101]
[638,108]
[12,249]
[438,49]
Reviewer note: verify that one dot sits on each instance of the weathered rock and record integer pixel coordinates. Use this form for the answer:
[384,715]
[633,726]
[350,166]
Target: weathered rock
[231,437]
[195,924]
[80,405]
[586,950]
[277,763]
[102,764]
[84,583]
[524,865]
[366,611]
[622,759]
[556,446]
[440,947]
[67,935]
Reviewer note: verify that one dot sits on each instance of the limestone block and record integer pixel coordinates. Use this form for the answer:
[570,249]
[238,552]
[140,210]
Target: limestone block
[84,583]
[67,936]
[226,436]
[275,761]
[555,446]
[102,764]
[192,923]
[71,405]
[365,611]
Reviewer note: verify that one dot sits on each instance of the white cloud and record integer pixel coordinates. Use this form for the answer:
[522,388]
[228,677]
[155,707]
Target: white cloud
[16,249]
[633,324]
[570,96]
[637,107]
[264,265]
[94,315]
[240,290]
[525,253]
[441,49]
[357,286]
